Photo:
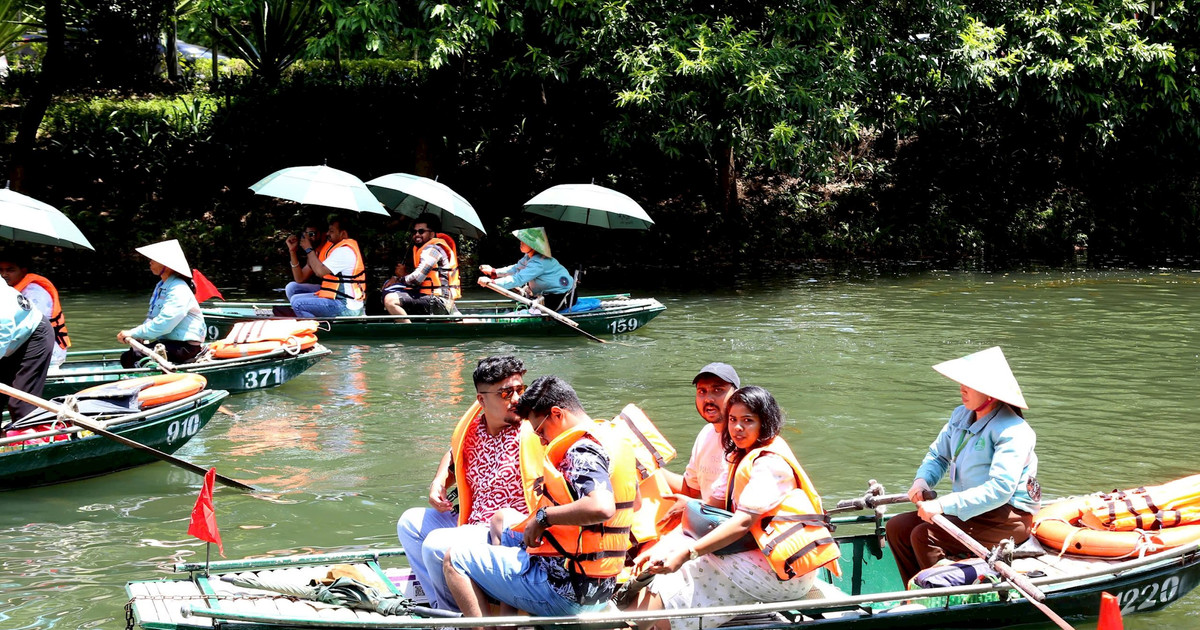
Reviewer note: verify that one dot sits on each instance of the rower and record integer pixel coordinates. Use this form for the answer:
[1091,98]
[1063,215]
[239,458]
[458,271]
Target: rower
[42,293]
[26,342]
[536,274]
[174,319]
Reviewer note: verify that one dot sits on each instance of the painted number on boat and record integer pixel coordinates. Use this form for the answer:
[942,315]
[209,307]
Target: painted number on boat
[183,428]
[263,378]
[618,326]
[214,332]
[1149,596]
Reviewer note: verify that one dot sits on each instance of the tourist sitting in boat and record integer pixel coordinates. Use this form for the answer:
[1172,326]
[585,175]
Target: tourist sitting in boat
[174,319]
[484,465]
[764,480]
[706,469]
[565,559]
[537,273]
[987,449]
[26,343]
[43,295]
[302,272]
[433,285]
[342,272]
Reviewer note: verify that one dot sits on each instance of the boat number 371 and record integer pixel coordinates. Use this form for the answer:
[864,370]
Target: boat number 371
[618,326]
[263,378]
[1148,596]
[181,429]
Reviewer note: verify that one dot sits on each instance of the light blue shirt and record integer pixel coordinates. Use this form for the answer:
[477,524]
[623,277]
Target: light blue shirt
[18,319]
[994,465]
[542,274]
[174,313]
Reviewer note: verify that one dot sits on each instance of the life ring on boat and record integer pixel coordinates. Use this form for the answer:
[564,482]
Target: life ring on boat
[152,391]
[1058,525]
[263,336]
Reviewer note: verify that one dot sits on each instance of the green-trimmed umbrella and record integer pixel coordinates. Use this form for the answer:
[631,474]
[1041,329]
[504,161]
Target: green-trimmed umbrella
[590,204]
[319,186]
[23,218]
[411,195]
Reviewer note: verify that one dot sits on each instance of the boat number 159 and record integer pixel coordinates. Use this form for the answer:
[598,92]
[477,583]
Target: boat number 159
[183,428]
[618,326]
[1148,596]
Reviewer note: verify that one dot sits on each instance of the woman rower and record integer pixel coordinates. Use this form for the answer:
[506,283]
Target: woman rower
[765,480]
[537,271]
[174,319]
[987,449]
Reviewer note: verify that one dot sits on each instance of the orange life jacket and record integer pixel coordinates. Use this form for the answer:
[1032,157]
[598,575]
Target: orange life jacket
[331,286]
[1146,508]
[793,536]
[651,451]
[151,391]
[57,320]
[434,281]
[266,335]
[597,551]
[530,450]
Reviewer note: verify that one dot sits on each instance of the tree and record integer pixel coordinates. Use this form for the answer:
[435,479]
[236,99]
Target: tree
[269,35]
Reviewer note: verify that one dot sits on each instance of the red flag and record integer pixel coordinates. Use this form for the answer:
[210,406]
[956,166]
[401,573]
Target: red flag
[204,288]
[204,518]
[1110,613]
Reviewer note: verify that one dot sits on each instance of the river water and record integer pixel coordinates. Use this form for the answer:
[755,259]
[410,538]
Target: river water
[1108,361]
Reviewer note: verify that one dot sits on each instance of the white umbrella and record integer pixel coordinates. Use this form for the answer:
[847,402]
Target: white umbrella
[319,186]
[411,195]
[23,218]
[590,204]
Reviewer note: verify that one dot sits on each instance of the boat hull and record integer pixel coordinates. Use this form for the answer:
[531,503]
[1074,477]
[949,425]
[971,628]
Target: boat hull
[81,457]
[86,369]
[479,318]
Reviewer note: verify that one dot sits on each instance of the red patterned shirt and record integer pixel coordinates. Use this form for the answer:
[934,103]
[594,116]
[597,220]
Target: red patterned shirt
[493,472]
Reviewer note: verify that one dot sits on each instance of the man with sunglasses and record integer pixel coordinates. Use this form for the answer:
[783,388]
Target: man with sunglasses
[433,285]
[301,271]
[483,463]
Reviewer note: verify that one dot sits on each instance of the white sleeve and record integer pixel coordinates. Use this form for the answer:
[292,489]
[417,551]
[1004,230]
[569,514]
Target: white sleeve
[770,478]
[40,298]
[341,261]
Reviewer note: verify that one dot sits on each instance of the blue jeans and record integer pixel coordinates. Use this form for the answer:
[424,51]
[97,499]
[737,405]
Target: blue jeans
[299,288]
[507,573]
[309,305]
[426,534]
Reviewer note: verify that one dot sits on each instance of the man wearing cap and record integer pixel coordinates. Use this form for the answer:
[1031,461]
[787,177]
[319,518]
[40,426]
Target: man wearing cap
[26,341]
[537,272]
[433,285]
[987,450]
[174,319]
[705,476]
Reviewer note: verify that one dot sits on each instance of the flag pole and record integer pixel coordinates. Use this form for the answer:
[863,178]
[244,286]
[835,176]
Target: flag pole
[207,554]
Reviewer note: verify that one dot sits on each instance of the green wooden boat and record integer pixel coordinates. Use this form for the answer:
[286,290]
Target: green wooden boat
[617,314]
[166,427]
[243,594]
[95,367]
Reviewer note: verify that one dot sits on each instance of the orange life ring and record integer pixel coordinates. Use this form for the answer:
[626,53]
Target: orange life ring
[224,349]
[153,391]
[263,336]
[1058,526]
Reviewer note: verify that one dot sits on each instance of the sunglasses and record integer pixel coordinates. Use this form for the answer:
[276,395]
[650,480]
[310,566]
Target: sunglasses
[507,392]
[311,233]
[422,231]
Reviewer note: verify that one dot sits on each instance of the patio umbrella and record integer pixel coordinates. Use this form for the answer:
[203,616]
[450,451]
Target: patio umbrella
[589,204]
[23,218]
[319,186]
[410,195]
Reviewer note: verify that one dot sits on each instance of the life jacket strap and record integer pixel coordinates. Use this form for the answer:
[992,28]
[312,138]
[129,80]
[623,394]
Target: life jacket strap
[803,551]
[800,523]
[644,440]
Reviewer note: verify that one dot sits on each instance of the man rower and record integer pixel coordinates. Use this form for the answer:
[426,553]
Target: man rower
[42,293]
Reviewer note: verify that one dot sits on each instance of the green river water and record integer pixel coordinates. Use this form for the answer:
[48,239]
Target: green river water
[1108,361]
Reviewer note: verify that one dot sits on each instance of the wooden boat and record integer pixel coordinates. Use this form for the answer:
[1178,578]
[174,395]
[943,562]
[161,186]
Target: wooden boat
[83,454]
[94,367]
[617,314]
[868,595]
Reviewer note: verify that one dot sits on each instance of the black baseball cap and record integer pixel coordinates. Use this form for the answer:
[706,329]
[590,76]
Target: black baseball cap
[723,371]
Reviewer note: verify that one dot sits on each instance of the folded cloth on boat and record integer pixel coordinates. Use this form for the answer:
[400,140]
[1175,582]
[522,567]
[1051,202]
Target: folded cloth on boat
[86,407]
[353,572]
[961,573]
[700,518]
[583,305]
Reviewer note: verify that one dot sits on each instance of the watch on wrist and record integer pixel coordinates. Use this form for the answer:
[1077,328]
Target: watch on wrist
[308,250]
[692,555]
[541,517]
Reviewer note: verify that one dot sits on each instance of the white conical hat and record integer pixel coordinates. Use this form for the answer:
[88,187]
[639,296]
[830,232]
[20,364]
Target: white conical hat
[168,254]
[986,372]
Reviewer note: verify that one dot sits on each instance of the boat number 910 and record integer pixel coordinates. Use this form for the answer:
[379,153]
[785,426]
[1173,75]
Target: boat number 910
[263,378]
[183,428]
[1148,596]
[618,326]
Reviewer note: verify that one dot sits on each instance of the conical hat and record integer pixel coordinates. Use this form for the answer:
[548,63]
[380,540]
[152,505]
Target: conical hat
[168,254]
[535,237]
[986,372]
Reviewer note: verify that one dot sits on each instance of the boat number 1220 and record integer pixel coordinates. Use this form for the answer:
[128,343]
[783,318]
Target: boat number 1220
[183,428]
[262,378]
[618,326]
[1148,596]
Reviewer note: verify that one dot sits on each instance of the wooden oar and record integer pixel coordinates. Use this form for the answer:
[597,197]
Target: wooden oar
[553,314]
[82,421]
[1032,593]
[159,359]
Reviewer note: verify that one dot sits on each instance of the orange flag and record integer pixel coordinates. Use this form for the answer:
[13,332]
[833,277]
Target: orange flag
[204,288]
[204,518]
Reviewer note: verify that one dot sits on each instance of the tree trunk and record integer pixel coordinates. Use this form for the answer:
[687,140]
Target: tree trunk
[172,47]
[727,178]
[39,101]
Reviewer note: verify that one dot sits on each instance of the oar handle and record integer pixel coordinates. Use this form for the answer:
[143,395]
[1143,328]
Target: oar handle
[82,421]
[551,313]
[871,501]
[1020,581]
[156,357]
